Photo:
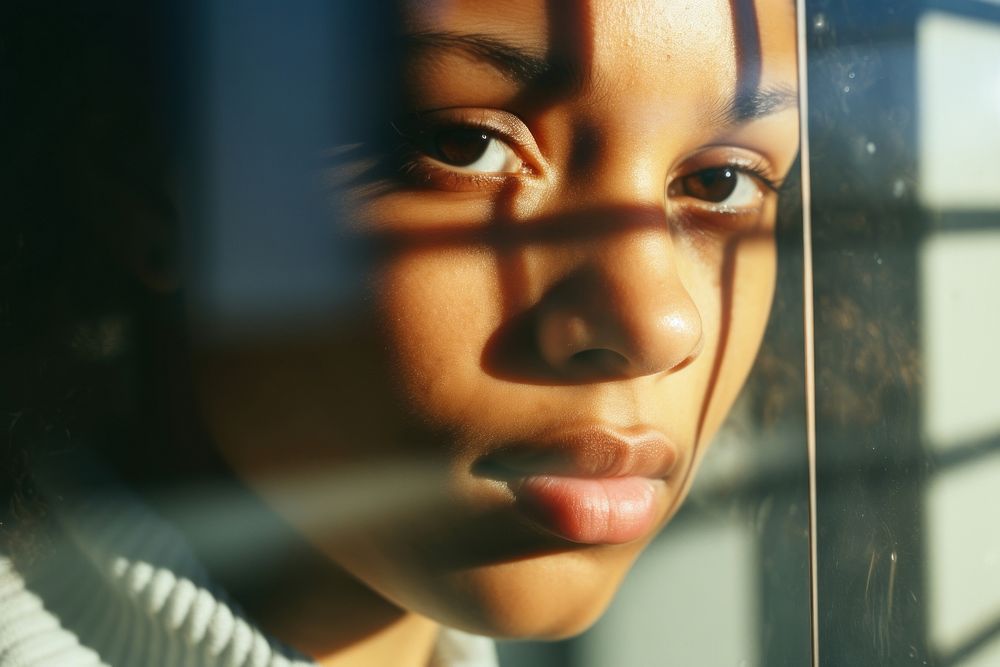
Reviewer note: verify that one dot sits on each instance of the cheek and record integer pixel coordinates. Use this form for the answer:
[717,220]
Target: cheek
[281,405]
[437,311]
[740,301]
[753,292]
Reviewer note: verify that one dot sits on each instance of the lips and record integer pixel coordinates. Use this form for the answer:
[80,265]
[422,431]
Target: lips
[592,485]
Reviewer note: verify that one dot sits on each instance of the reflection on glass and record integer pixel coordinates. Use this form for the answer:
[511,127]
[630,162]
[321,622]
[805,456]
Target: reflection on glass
[360,335]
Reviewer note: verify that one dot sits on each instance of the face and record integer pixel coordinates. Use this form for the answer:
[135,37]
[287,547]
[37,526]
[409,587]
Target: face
[570,218]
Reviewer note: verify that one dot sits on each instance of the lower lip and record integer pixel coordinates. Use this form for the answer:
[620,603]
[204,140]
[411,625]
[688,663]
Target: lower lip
[591,511]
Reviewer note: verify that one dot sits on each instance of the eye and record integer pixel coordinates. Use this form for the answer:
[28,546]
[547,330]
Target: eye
[473,150]
[465,150]
[722,187]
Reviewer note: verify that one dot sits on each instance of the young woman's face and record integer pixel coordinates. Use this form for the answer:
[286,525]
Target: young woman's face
[572,217]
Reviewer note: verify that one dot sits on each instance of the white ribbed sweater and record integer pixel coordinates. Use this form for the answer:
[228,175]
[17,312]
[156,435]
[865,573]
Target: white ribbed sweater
[121,588]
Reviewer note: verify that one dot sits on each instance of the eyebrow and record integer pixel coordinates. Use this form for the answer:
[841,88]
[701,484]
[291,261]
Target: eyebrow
[526,66]
[517,63]
[752,104]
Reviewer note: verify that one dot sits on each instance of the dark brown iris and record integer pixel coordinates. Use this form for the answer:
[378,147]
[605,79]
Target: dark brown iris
[460,146]
[712,185]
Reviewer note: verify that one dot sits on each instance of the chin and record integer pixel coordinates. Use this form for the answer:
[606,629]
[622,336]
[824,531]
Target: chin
[548,597]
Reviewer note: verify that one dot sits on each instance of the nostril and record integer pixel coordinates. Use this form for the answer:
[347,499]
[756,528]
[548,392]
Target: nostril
[600,361]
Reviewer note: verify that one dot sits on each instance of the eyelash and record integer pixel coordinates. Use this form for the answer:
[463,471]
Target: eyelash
[757,169]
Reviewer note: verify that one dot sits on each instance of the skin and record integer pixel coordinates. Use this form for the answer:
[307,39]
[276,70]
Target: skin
[587,285]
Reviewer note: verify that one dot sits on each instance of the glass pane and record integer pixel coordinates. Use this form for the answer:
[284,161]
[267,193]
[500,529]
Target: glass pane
[905,106]
[382,331]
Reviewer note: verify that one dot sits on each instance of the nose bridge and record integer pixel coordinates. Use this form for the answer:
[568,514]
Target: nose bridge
[619,164]
[620,307]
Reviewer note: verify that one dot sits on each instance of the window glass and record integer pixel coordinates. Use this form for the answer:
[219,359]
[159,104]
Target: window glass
[903,117]
[352,321]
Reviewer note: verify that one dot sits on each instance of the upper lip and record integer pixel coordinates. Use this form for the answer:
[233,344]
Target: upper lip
[591,451]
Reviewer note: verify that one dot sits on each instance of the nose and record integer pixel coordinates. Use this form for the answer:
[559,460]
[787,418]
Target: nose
[621,310]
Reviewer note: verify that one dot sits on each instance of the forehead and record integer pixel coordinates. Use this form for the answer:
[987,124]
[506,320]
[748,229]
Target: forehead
[620,44]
